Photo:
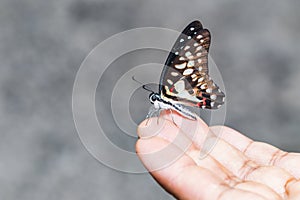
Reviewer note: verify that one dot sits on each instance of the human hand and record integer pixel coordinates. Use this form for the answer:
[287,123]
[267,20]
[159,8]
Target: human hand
[235,166]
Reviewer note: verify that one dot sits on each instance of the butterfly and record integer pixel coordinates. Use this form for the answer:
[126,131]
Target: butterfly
[184,80]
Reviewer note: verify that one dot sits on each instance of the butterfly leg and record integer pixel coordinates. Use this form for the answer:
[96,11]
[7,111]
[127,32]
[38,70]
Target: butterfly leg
[158,115]
[147,121]
[149,115]
[152,112]
[173,118]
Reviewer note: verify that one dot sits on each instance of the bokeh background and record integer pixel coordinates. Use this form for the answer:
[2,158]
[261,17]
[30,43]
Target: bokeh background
[256,45]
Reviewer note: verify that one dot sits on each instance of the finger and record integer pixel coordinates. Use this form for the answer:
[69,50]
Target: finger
[233,137]
[258,188]
[183,178]
[293,190]
[291,163]
[266,154]
[197,130]
[166,129]
[239,164]
[261,153]
[248,170]
[223,152]
[169,132]
[234,182]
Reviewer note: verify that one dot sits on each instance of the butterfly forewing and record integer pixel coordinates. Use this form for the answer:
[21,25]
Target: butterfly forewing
[185,78]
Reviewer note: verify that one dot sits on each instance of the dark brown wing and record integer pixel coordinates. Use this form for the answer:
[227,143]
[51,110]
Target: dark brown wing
[185,76]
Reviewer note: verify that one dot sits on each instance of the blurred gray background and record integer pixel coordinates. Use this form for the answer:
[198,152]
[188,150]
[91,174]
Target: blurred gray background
[256,45]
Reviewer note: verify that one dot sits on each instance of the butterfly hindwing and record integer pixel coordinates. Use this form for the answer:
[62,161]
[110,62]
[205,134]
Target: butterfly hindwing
[185,78]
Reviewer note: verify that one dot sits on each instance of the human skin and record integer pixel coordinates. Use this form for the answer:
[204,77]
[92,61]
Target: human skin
[193,161]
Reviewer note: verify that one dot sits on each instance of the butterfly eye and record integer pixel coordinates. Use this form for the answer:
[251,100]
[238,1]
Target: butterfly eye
[153,97]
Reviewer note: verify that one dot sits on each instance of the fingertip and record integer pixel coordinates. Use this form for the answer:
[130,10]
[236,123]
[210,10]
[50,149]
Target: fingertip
[137,147]
[150,127]
[169,123]
[157,153]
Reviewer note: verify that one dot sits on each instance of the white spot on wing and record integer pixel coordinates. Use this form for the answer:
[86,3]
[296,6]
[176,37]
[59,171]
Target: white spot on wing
[199,36]
[188,71]
[203,86]
[192,28]
[198,48]
[181,66]
[187,54]
[189,37]
[182,92]
[208,90]
[196,44]
[181,58]
[186,48]
[213,97]
[181,40]
[176,53]
[191,63]
[179,86]
[170,82]
[174,74]
[200,79]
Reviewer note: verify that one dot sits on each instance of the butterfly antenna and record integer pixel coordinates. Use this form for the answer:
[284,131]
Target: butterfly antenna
[145,87]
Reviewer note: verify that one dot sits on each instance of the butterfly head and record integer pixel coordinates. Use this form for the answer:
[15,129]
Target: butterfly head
[156,100]
[154,97]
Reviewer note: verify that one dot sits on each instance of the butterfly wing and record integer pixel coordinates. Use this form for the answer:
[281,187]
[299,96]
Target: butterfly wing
[185,78]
